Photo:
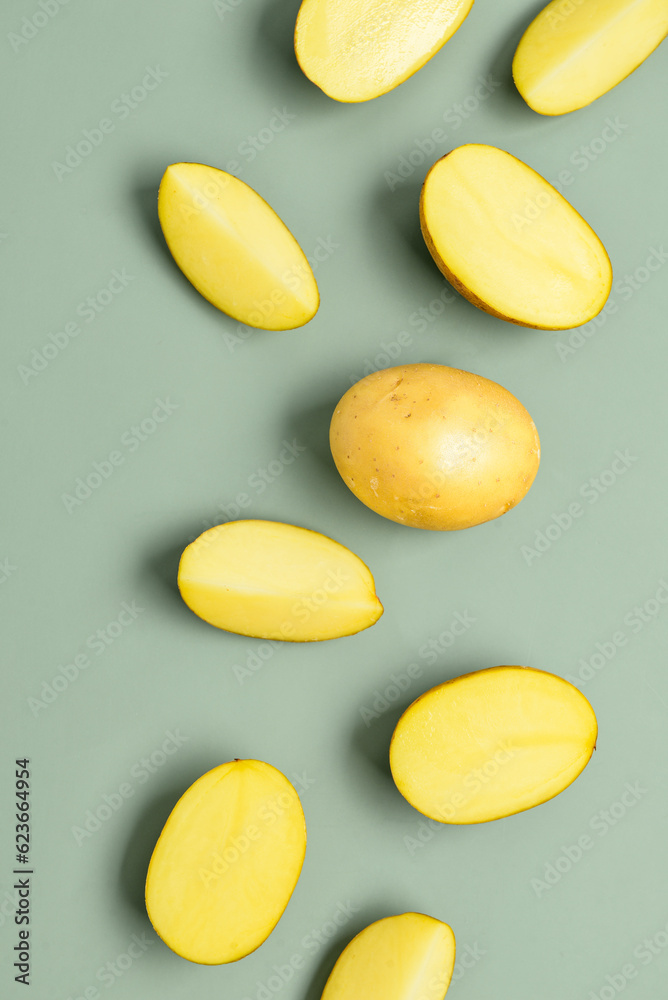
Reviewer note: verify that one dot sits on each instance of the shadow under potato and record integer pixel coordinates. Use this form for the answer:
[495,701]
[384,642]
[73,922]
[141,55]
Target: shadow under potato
[144,835]
[398,212]
[336,947]
[276,48]
[502,66]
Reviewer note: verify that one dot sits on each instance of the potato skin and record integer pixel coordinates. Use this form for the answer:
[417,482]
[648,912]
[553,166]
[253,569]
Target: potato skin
[434,447]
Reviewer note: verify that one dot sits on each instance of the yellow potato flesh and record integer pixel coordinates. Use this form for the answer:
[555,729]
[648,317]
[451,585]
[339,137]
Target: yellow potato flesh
[356,50]
[226,863]
[234,249]
[577,50]
[510,243]
[434,447]
[277,581]
[491,743]
[407,957]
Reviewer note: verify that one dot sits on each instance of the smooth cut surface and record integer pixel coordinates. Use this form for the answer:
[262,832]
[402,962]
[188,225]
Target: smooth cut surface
[277,581]
[234,249]
[434,447]
[577,50]
[510,243]
[407,957]
[356,50]
[491,743]
[226,862]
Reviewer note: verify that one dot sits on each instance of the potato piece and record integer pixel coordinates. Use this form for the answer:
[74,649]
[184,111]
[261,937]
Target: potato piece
[434,447]
[574,52]
[510,243]
[226,863]
[275,581]
[407,957]
[234,249]
[356,50]
[491,744]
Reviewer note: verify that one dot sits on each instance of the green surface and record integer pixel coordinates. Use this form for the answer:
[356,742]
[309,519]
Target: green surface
[221,75]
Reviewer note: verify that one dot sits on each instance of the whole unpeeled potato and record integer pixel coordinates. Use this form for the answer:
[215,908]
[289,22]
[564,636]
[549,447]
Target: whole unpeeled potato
[434,447]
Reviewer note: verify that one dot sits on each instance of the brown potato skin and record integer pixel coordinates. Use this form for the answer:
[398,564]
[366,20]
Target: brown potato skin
[434,447]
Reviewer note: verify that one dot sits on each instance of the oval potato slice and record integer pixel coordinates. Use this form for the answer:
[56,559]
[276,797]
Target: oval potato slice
[356,50]
[234,249]
[491,743]
[575,51]
[226,862]
[510,243]
[434,447]
[407,957]
[276,581]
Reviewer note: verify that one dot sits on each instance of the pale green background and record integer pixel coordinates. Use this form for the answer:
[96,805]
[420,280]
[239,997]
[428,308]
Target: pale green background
[324,174]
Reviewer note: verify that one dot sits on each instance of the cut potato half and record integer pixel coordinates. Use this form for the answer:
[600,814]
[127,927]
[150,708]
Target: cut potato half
[491,743]
[355,50]
[577,50]
[234,249]
[510,243]
[226,863]
[407,957]
[276,581]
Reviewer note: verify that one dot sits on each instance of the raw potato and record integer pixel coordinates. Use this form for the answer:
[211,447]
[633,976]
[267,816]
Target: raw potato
[434,447]
[408,957]
[491,743]
[234,248]
[226,863]
[510,243]
[356,50]
[574,52]
[275,581]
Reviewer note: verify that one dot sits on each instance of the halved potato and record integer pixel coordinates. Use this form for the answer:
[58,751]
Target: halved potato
[510,243]
[576,50]
[226,863]
[407,957]
[234,249]
[491,743]
[356,50]
[276,581]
